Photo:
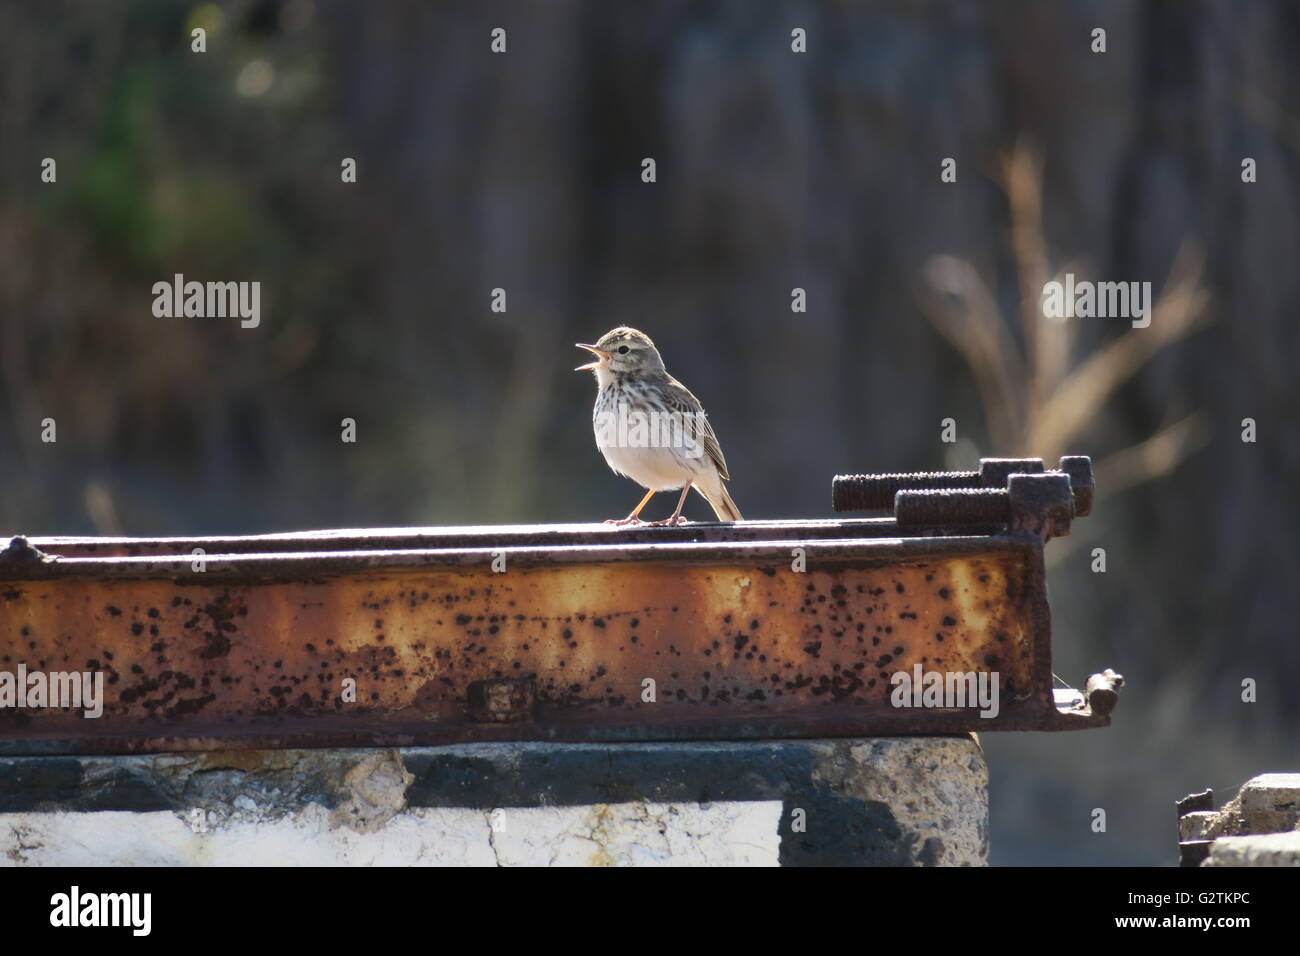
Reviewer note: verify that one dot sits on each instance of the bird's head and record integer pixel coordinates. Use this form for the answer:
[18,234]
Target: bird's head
[622,351]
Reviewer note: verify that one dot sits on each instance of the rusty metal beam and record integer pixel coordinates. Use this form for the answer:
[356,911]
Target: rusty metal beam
[253,649]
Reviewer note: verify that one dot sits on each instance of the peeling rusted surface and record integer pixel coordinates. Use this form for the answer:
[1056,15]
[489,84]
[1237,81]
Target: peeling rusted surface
[502,698]
[255,650]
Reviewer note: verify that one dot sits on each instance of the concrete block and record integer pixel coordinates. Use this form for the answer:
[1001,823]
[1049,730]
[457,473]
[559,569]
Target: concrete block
[1270,849]
[909,801]
[1197,825]
[1270,802]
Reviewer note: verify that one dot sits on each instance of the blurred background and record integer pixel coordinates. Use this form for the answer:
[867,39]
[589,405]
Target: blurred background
[775,170]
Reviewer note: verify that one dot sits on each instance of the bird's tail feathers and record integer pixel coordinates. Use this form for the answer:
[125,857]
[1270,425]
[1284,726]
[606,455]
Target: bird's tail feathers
[723,506]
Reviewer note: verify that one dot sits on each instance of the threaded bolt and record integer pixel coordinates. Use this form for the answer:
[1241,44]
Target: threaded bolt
[1039,504]
[963,506]
[876,492]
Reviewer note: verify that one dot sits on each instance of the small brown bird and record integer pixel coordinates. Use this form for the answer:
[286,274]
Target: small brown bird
[652,429]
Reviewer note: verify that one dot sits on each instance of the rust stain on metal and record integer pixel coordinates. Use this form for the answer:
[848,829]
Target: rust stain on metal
[502,698]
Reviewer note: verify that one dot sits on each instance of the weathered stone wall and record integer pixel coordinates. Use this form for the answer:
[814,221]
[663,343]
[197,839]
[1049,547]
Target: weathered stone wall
[1260,826]
[884,801]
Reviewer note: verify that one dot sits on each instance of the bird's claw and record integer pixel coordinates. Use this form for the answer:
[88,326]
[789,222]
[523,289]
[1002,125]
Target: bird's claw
[620,522]
[679,520]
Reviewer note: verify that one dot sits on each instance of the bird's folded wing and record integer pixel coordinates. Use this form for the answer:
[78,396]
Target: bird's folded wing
[694,419]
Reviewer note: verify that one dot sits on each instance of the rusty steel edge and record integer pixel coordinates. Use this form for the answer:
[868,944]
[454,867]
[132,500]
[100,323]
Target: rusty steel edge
[484,536]
[363,538]
[280,565]
[776,727]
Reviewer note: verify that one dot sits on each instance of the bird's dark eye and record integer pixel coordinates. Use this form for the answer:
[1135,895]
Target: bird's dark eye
[622,350]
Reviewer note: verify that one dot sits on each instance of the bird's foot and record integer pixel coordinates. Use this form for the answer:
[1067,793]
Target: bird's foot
[678,520]
[620,522]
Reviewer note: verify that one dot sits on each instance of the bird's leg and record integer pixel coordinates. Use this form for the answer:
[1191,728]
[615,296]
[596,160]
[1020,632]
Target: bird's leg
[677,515]
[633,518]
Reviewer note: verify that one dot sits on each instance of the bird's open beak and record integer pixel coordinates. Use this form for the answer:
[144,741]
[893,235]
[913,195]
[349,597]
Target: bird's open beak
[601,357]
